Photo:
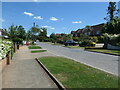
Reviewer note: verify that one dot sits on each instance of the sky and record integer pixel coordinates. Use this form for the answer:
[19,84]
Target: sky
[57,17]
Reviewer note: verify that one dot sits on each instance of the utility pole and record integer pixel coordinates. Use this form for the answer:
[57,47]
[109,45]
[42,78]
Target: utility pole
[119,9]
[34,24]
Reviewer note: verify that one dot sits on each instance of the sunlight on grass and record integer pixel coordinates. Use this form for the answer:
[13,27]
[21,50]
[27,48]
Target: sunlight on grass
[76,75]
[117,52]
[34,47]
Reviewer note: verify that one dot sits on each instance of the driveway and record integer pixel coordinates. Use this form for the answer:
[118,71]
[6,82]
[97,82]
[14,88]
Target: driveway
[105,62]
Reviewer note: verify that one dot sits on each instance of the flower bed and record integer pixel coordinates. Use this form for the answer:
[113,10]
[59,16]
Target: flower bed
[5,47]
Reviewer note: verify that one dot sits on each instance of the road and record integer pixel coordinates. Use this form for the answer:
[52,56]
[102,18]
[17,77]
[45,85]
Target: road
[104,62]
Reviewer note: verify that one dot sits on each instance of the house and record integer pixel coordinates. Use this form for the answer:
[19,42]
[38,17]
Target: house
[94,30]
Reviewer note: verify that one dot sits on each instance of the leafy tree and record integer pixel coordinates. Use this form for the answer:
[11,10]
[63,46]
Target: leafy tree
[35,30]
[43,34]
[17,33]
[87,26]
[21,32]
[67,37]
[53,36]
[28,35]
[112,11]
[113,22]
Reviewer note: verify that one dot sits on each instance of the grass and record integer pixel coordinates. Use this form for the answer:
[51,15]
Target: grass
[34,47]
[38,51]
[116,52]
[48,42]
[75,47]
[76,75]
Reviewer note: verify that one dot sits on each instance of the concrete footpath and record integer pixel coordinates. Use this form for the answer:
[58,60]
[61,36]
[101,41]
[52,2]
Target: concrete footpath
[25,72]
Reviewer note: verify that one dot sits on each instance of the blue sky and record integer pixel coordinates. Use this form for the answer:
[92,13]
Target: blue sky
[59,17]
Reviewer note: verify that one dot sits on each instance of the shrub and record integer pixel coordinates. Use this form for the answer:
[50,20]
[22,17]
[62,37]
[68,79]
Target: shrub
[5,46]
[113,39]
[76,39]
[47,40]
[94,39]
[100,39]
[87,43]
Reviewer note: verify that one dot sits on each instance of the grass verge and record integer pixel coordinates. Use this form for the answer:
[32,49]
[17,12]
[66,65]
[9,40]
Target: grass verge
[73,74]
[58,44]
[116,52]
[34,47]
[75,47]
[38,51]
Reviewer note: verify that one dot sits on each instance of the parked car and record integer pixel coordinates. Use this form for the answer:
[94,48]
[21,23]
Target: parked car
[70,43]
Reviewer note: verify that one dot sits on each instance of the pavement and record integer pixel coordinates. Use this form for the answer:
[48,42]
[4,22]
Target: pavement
[25,72]
[104,62]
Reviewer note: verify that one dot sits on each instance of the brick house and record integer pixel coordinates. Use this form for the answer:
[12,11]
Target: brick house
[94,30]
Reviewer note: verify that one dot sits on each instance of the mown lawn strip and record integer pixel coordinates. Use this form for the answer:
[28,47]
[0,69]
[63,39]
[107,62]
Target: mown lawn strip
[34,47]
[116,52]
[38,51]
[73,74]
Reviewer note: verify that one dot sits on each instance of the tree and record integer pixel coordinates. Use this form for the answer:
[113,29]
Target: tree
[28,35]
[87,26]
[17,34]
[53,36]
[67,37]
[113,22]
[43,34]
[35,30]
[111,11]
[21,32]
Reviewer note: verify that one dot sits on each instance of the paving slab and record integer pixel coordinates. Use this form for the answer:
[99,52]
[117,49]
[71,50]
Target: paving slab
[25,72]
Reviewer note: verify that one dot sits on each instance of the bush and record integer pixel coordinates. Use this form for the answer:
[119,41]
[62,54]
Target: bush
[87,43]
[94,39]
[5,46]
[115,41]
[101,39]
[47,40]
[60,41]
[76,39]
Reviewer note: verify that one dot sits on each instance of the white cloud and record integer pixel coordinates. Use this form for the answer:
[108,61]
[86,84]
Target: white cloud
[28,13]
[53,19]
[77,22]
[2,20]
[35,0]
[49,27]
[38,17]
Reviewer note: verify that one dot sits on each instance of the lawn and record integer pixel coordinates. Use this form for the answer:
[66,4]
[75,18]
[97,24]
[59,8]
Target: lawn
[75,47]
[48,42]
[34,47]
[117,52]
[38,51]
[73,74]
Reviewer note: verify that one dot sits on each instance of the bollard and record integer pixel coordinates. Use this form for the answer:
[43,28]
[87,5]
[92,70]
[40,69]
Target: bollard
[18,46]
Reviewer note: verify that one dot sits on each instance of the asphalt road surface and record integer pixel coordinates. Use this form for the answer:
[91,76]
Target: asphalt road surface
[105,62]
